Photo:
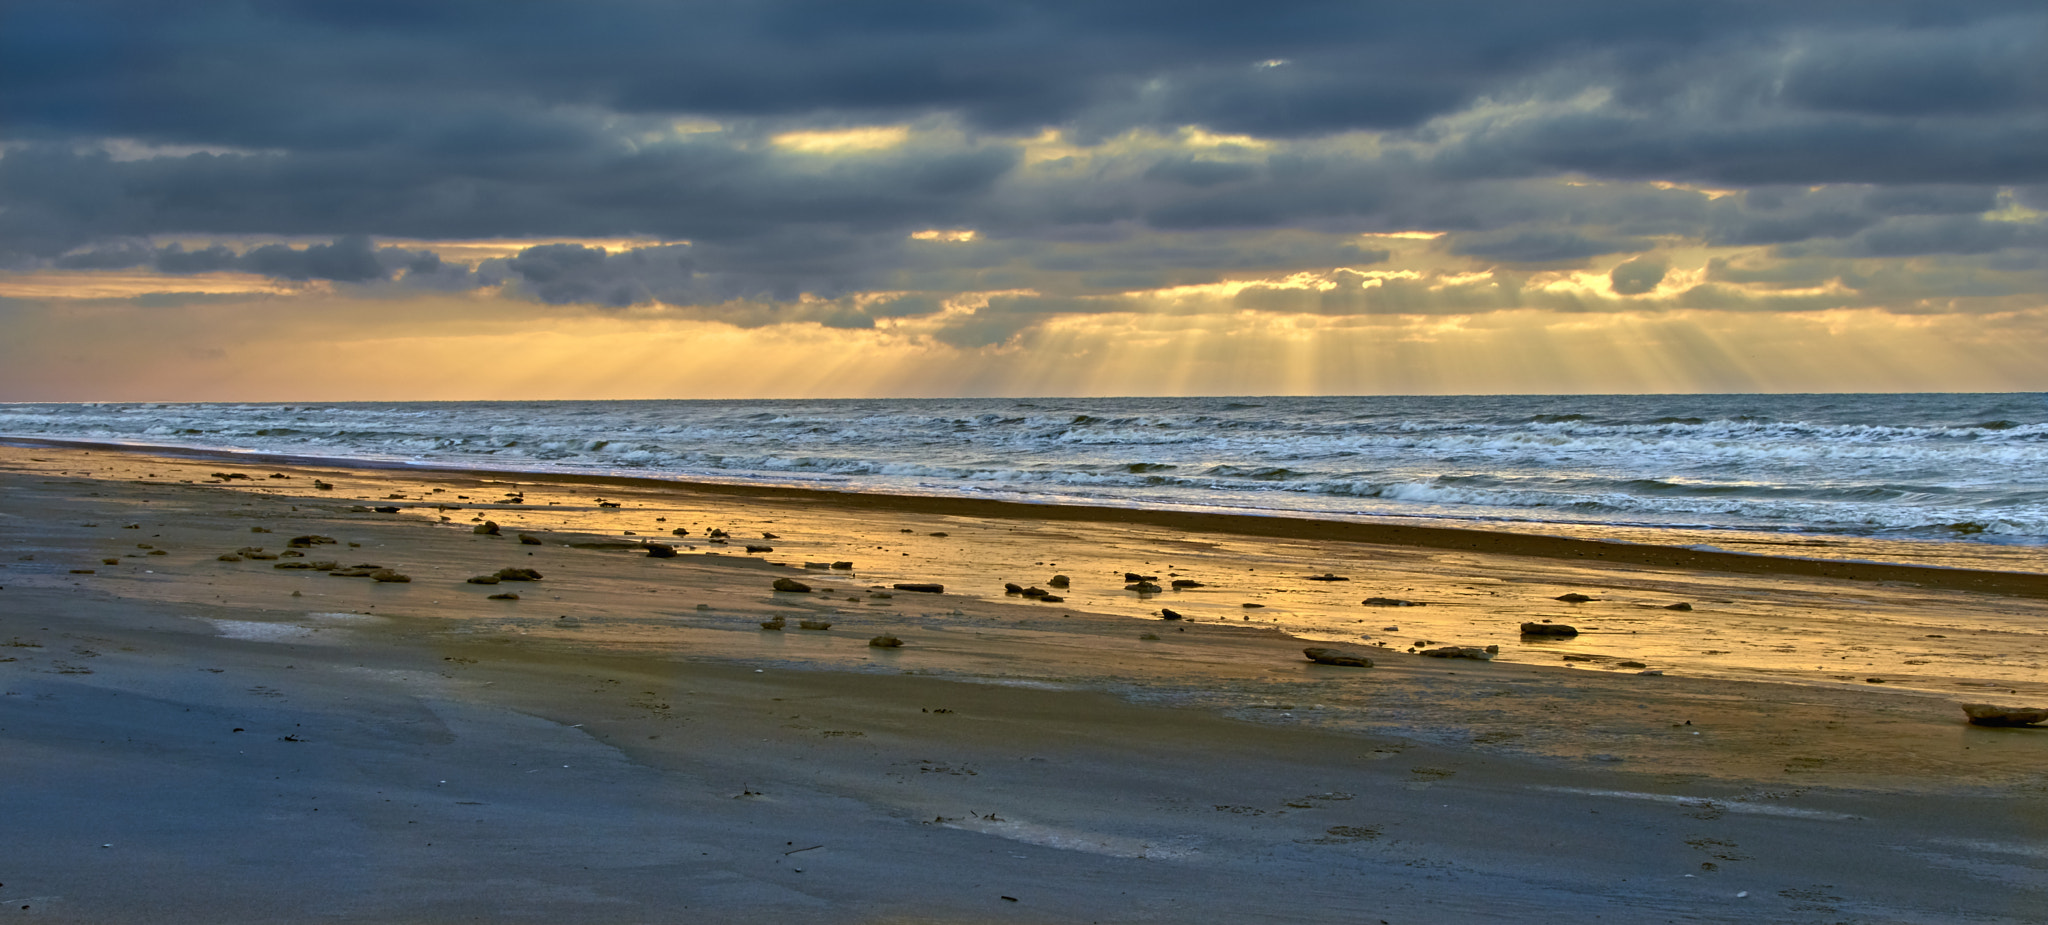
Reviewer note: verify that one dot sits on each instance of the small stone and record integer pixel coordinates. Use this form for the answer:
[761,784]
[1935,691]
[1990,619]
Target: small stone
[1328,576]
[1033,592]
[507,596]
[323,486]
[1180,583]
[1681,605]
[226,557]
[388,576]
[820,566]
[1984,714]
[1249,606]
[1051,599]
[1013,588]
[1630,664]
[518,574]
[487,528]
[813,625]
[1327,656]
[791,585]
[660,551]
[1549,629]
[924,587]
[775,624]
[528,539]
[387,509]
[1389,602]
[1168,614]
[484,580]
[1134,578]
[679,532]
[886,642]
[1144,587]
[1060,581]
[843,566]
[1572,598]
[752,548]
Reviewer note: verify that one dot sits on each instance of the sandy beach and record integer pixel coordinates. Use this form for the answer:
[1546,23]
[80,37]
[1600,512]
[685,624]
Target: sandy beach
[195,739]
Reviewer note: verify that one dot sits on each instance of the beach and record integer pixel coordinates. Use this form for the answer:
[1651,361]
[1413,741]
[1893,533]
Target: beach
[239,741]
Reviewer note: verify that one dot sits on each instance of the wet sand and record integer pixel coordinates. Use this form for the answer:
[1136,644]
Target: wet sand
[625,743]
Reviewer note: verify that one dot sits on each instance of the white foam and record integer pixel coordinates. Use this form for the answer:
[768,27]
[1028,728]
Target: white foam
[1116,846]
[262,632]
[1753,809]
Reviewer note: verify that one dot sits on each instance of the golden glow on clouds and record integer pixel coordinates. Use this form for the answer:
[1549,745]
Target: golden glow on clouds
[844,141]
[1196,137]
[1426,320]
[126,284]
[299,348]
[695,127]
[2010,210]
[1051,148]
[1707,191]
[473,252]
[1223,290]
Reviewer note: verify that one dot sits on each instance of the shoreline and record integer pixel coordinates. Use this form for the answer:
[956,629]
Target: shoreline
[1278,525]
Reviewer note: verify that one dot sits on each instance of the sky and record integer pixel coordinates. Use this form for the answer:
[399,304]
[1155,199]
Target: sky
[445,199]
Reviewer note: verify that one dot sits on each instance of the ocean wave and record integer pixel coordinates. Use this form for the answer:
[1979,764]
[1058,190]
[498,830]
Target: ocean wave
[1963,468]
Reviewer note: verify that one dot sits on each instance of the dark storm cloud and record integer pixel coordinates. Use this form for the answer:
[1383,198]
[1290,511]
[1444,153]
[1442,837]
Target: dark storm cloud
[1542,246]
[348,259]
[1877,129]
[1638,276]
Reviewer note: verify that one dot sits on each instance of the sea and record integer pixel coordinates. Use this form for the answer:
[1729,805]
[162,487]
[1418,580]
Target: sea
[1956,469]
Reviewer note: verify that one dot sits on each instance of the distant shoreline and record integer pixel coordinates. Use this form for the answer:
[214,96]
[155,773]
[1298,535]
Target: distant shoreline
[1272,526]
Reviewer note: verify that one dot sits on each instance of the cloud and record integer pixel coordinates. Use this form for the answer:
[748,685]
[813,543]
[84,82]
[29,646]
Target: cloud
[349,259]
[776,160]
[1542,246]
[1638,276]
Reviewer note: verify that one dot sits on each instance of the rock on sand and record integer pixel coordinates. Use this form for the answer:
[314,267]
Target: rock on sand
[1984,714]
[1474,653]
[1326,656]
